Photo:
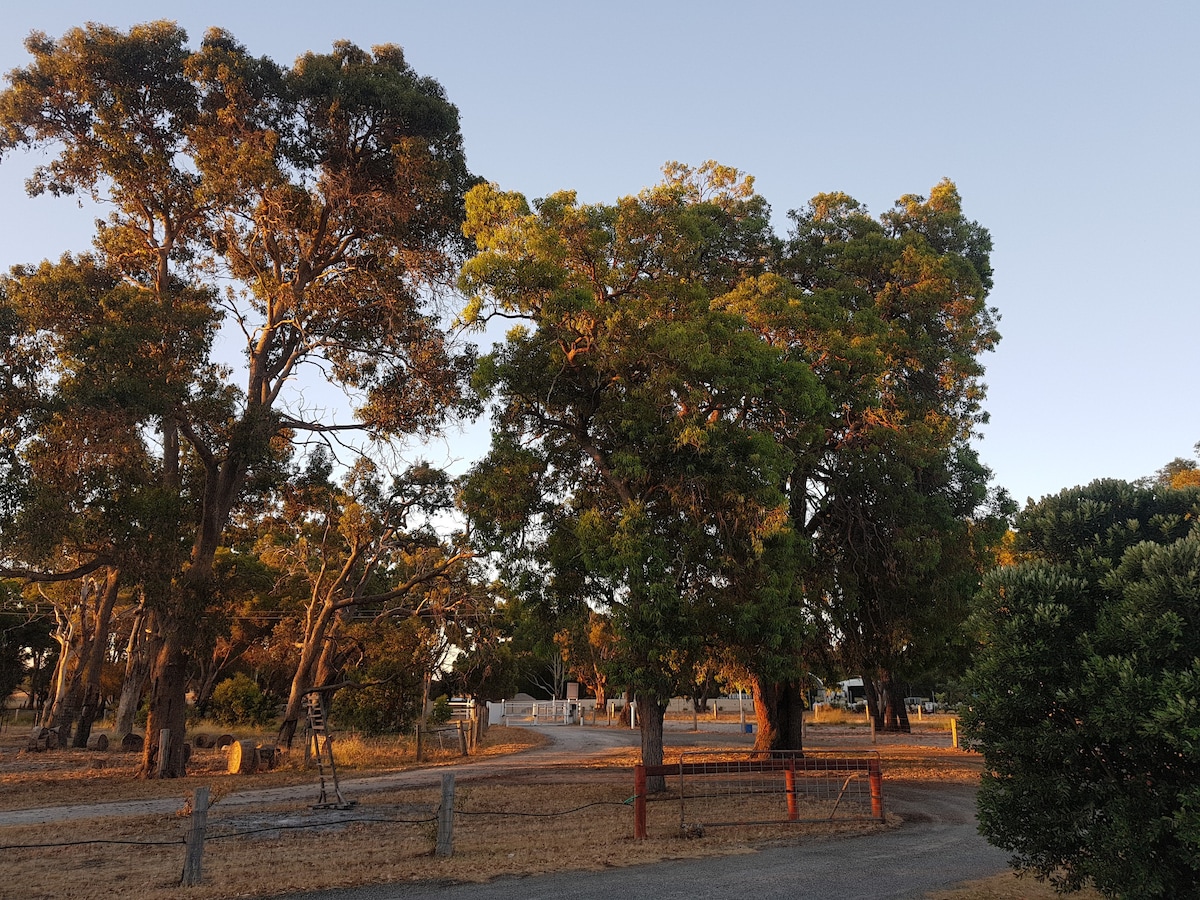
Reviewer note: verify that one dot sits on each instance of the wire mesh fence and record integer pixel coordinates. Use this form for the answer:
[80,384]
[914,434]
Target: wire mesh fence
[754,788]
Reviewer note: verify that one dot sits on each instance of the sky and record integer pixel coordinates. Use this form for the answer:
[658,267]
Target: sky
[1071,128]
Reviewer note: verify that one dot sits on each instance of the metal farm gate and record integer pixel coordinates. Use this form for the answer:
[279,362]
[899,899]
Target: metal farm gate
[755,787]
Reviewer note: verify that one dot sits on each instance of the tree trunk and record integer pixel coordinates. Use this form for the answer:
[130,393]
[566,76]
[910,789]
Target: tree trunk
[168,709]
[139,653]
[312,653]
[601,695]
[886,704]
[895,716]
[650,712]
[779,714]
[64,701]
[92,664]
[66,708]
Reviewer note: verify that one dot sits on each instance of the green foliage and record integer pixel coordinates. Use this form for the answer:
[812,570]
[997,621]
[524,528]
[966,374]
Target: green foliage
[1085,696]
[21,633]
[441,713]
[240,701]
[634,468]
[893,315]
[387,683]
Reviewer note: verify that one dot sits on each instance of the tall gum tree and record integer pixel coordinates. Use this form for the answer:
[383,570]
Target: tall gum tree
[325,199]
[633,403]
[891,501]
[354,550]
[82,500]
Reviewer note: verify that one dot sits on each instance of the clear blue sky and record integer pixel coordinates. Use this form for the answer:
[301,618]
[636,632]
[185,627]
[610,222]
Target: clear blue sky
[1071,128]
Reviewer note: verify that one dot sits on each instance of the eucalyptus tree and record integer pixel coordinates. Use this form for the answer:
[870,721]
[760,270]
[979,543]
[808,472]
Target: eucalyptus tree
[630,411]
[893,316]
[312,210]
[82,518]
[355,550]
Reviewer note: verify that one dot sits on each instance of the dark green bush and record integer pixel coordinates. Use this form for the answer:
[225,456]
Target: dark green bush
[1085,693]
[240,701]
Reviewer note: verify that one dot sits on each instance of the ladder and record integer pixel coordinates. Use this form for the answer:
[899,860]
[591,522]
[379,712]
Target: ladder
[320,744]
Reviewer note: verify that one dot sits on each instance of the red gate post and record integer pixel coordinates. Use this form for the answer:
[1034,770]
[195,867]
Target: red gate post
[876,778]
[639,802]
[789,781]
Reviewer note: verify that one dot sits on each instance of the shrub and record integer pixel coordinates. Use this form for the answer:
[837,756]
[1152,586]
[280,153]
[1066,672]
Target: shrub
[441,713]
[240,701]
[1085,694]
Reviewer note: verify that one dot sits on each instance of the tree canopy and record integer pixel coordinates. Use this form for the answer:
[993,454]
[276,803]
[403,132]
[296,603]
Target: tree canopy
[732,442]
[714,449]
[634,407]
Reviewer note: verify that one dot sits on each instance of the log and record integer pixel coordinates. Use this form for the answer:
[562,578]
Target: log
[204,741]
[224,741]
[132,743]
[98,742]
[243,757]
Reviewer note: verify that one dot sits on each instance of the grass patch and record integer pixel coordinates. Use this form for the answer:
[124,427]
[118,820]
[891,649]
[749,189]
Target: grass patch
[1008,886]
[63,777]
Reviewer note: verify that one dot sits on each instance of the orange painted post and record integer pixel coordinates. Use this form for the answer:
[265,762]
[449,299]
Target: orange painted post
[789,780]
[876,778]
[639,803]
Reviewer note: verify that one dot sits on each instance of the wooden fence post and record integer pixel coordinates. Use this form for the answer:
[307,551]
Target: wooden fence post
[954,732]
[420,733]
[195,838]
[789,784]
[875,776]
[445,831]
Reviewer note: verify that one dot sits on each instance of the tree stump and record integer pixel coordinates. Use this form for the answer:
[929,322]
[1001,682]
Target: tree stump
[38,739]
[132,743]
[204,741]
[268,757]
[224,741]
[243,757]
[98,742]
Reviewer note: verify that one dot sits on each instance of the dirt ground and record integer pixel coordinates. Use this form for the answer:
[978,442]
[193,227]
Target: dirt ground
[524,804]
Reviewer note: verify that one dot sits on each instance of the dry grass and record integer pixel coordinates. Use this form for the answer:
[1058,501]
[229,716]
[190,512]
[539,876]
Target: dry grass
[65,777]
[520,823]
[1007,887]
[502,827]
[523,822]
